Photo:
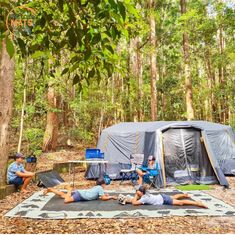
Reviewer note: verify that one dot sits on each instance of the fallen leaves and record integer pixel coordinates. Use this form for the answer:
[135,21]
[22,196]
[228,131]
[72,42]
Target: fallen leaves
[181,225]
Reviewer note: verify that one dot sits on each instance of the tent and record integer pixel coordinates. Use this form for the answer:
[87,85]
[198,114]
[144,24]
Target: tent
[186,151]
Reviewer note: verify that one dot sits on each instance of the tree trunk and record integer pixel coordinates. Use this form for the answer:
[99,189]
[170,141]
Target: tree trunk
[51,133]
[188,81]
[139,74]
[215,115]
[127,103]
[23,106]
[153,61]
[6,99]
[208,116]
[101,122]
[222,80]
[211,82]
[162,92]
[66,112]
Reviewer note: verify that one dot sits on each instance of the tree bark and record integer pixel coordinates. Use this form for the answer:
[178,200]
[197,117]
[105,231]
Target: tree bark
[101,122]
[139,75]
[23,106]
[188,81]
[6,99]
[66,112]
[153,61]
[127,103]
[51,133]
[211,82]
[223,83]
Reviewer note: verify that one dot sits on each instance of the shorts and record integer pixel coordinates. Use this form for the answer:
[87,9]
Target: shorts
[77,196]
[17,181]
[167,200]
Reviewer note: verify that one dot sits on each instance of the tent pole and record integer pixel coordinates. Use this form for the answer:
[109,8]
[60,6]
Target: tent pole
[210,158]
[163,163]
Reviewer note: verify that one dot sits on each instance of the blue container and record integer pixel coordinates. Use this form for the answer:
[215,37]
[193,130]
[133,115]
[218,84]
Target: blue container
[101,155]
[94,153]
[31,159]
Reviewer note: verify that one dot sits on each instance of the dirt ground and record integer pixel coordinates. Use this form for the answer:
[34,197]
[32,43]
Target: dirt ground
[202,225]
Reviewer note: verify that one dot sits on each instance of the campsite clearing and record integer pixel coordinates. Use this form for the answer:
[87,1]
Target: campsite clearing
[147,225]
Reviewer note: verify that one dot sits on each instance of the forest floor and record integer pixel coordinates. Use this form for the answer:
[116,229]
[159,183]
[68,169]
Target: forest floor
[202,225]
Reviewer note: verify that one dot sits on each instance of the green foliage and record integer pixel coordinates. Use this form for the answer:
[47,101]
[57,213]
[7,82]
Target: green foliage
[81,135]
[87,51]
[10,47]
[86,27]
[34,137]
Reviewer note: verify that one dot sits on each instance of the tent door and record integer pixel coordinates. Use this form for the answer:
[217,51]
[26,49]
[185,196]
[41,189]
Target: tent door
[186,159]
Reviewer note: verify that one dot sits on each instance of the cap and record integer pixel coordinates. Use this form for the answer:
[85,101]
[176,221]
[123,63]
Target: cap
[19,155]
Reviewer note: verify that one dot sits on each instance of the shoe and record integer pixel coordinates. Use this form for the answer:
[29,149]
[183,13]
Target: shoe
[121,199]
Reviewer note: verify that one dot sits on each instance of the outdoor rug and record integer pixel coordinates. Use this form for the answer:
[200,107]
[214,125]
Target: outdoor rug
[51,206]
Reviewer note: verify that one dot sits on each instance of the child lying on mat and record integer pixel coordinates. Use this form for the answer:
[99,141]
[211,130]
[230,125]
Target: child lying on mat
[142,197]
[83,195]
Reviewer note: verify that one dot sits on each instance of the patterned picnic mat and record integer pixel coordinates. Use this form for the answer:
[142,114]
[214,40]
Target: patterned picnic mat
[51,206]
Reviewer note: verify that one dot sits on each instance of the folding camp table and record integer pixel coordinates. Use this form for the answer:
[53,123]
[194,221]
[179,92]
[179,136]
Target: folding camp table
[73,162]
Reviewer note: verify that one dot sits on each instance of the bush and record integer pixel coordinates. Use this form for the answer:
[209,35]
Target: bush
[34,137]
[81,135]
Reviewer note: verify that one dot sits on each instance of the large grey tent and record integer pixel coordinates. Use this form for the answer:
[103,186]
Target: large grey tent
[186,151]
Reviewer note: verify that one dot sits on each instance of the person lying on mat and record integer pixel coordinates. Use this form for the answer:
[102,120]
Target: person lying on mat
[141,171]
[17,175]
[143,197]
[83,195]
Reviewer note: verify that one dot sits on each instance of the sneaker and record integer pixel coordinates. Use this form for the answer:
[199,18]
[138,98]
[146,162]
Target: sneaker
[121,199]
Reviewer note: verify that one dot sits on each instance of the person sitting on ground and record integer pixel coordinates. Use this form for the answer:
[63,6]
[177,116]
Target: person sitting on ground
[83,195]
[143,197]
[17,175]
[144,170]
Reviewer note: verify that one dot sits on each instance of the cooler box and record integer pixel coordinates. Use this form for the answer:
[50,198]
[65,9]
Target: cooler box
[94,153]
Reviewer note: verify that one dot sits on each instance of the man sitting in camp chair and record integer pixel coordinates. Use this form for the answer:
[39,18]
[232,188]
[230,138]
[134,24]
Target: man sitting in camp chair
[83,195]
[141,171]
[143,197]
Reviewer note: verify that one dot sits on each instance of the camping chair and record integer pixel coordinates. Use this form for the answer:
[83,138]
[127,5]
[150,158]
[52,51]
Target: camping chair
[151,177]
[130,173]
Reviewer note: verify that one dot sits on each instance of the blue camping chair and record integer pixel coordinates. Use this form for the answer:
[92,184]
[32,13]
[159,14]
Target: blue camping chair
[151,177]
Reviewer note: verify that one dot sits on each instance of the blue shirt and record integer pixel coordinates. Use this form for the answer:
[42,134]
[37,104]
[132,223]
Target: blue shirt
[92,194]
[12,169]
[148,168]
